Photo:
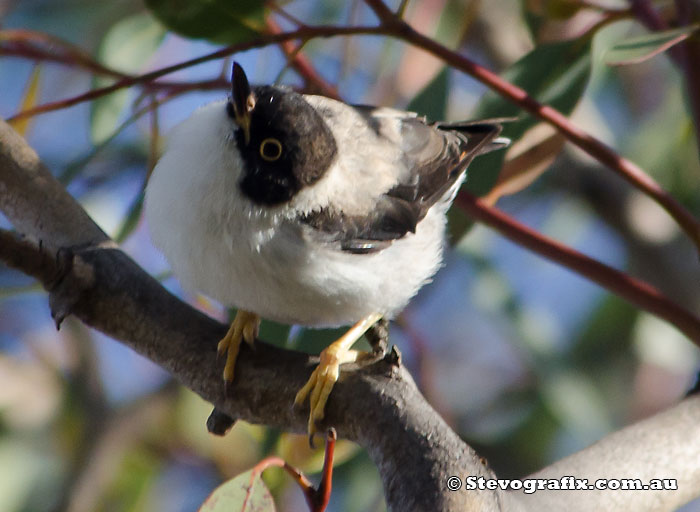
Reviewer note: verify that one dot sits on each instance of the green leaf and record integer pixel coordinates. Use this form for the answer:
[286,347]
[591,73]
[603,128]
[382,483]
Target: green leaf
[219,21]
[555,74]
[432,100]
[126,47]
[274,333]
[232,495]
[639,49]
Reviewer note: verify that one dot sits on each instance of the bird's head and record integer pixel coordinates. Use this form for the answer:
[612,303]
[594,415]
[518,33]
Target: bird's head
[285,144]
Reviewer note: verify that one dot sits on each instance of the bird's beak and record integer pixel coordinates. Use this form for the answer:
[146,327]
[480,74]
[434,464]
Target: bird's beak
[242,98]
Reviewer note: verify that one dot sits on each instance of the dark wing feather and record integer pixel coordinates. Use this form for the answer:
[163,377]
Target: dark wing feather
[436,156]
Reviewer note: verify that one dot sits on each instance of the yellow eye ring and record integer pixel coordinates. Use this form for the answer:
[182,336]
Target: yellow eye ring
[270,149]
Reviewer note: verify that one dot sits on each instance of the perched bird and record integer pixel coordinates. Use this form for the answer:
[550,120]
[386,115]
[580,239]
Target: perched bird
[305,210]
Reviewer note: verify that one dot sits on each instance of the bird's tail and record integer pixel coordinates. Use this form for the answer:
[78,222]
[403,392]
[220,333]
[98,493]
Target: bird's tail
[481,136]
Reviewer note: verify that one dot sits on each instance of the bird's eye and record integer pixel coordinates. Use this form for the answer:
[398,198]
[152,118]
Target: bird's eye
[270,149]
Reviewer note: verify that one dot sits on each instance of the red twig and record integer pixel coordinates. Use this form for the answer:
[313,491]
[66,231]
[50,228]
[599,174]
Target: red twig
[30,44]
[635,291]
[317,499]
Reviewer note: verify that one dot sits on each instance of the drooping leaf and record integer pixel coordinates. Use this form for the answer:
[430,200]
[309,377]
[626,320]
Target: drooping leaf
[126,47]
[237,493]
[29,100]
[534,156]
[555,74]
[432,100]
[219,21]
[639,49]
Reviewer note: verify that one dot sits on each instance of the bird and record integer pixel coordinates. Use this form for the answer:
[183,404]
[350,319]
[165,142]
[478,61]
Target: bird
[305,210]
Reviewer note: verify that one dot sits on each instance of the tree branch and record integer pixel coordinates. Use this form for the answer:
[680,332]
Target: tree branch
[665,446]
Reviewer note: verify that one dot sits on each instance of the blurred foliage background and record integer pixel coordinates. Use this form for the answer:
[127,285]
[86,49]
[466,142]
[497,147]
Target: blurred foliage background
[527,361]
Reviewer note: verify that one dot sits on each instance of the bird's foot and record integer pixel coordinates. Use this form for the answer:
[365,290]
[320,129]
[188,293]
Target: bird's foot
[243,328]
[319,386]
[321,382]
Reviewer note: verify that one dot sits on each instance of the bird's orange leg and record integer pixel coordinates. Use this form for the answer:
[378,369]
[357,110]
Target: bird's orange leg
[326,374]
[244,327]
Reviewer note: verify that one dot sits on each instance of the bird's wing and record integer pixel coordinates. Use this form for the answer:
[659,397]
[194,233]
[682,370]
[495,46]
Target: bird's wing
[434,157]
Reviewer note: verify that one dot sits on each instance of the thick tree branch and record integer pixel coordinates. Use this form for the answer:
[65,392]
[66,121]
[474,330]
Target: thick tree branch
[674,439]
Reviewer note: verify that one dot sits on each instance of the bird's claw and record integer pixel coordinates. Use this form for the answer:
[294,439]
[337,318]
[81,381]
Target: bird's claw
[243,328]
[320,384]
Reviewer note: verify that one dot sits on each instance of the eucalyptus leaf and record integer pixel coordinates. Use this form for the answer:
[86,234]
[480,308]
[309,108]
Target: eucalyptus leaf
[233,495]
[219,21]
[555,74]
[640,49]
[126,47]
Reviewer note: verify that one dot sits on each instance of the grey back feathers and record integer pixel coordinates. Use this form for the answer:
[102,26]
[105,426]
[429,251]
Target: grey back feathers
[291,147]
[437,155]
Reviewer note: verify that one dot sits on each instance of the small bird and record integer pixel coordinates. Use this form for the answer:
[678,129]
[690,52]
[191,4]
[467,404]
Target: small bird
[305,210]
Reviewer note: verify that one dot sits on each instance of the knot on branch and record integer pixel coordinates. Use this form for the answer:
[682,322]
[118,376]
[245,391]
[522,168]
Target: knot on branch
[72,278]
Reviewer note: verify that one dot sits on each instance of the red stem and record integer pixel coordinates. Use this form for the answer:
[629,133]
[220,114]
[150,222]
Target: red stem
[634,290]
[323,495]
[316,499]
